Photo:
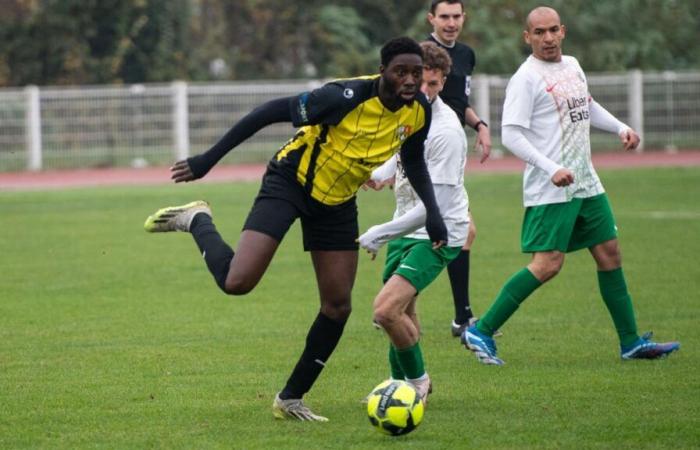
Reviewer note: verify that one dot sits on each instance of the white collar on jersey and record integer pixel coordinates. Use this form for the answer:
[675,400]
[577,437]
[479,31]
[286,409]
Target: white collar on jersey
[435,36]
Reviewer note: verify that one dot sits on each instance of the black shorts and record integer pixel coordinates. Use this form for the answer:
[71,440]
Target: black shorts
[281,201]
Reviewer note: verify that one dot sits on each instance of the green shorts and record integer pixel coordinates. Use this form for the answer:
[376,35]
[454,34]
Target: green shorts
[416,261]
[567,227]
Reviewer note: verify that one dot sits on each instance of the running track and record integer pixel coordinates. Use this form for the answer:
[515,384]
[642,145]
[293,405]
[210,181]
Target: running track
[53,179]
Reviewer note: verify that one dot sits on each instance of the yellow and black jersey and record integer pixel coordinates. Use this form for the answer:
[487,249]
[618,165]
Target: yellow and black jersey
[345,133]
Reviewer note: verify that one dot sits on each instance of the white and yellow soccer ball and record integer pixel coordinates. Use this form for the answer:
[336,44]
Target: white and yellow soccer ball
[394,408]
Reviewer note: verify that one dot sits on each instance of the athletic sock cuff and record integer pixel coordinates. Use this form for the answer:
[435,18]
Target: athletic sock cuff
[612,282]
[524,282]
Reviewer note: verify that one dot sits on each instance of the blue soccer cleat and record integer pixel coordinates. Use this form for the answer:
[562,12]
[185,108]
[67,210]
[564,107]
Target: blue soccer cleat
[457,329]
[483,346]
[645,348]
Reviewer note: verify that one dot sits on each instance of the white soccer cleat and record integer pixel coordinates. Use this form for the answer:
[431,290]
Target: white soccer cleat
[294,408]
[423,388]
[175,218]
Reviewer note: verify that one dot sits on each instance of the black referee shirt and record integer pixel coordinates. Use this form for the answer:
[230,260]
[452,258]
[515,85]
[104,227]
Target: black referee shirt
[458,85]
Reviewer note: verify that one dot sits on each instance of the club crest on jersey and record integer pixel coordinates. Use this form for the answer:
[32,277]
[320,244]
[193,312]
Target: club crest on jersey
[348,93]
[403,131]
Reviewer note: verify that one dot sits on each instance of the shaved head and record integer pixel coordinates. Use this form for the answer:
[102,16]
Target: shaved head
[544,33]
[541,12]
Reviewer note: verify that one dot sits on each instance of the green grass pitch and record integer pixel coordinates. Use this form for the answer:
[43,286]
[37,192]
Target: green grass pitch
[114,338]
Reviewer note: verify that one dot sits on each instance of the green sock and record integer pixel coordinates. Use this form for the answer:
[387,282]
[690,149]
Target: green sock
[614,291]
[411,361]
[396,370]
[513,293]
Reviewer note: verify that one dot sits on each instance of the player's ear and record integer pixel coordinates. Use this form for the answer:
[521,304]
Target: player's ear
[381,69]
[526,37]
[563,31]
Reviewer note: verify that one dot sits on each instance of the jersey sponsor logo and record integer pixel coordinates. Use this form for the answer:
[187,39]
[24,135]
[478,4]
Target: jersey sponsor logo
[576,102]
[348,93]
[403,131]
[468,85]
[406,266]
[578,110]
[578,116]
[303,113]
[550,88]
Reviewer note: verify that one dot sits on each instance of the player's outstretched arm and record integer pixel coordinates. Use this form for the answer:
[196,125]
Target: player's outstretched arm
[375,237]
[197,166]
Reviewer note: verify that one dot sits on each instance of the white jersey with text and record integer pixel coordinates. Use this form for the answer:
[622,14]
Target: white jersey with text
[445,157]
[550,101]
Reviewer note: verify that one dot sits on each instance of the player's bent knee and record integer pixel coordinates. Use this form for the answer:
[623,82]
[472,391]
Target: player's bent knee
[338,311]
[386,317]
[551,272]
[239,286]
[546,271]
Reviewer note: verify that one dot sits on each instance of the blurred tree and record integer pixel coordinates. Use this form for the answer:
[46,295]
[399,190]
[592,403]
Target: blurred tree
[603,35]
[156,44]
[118,41]
[494,30]
[386,19]
[625,34]
[343,48]
[93,41]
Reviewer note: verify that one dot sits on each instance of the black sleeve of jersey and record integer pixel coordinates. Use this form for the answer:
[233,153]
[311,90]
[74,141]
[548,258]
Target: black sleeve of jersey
[326,105]
[274,111]
[413,162]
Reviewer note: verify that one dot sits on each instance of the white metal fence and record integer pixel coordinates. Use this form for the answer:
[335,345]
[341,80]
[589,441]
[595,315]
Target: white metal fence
[96,126]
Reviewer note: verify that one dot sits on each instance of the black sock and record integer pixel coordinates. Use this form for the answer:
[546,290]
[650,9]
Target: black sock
[458,270]
[320,343]
[217,253]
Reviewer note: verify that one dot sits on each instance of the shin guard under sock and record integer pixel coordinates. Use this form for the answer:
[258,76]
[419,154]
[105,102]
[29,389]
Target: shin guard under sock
[458,270]
[514,292]
[613,288]
[320,343]
[216,253]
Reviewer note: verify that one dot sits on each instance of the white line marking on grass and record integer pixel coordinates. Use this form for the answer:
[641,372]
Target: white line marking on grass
[674,215]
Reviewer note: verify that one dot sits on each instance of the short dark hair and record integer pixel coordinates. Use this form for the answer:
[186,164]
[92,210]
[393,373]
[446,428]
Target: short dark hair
[399,46]
[434,3]
[435,57]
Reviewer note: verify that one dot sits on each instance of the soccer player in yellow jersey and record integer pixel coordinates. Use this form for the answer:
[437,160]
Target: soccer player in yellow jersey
[347,129]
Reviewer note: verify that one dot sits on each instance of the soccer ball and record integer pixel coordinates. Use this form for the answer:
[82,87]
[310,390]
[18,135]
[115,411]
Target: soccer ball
[394,408]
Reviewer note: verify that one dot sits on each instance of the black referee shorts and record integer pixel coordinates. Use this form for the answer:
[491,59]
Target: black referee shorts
[281,201]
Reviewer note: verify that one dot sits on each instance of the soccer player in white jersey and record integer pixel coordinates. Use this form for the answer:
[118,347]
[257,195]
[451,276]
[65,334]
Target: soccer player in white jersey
[547,116]
[413,262]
